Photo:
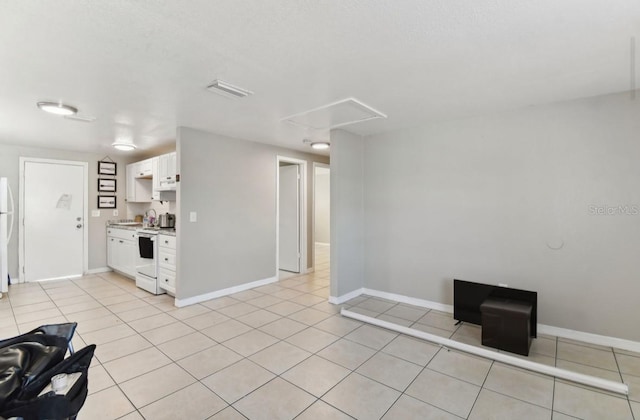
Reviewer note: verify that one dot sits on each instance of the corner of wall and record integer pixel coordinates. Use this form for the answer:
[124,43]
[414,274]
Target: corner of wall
[347,213]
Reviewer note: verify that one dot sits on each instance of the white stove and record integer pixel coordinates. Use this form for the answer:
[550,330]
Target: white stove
[147,261]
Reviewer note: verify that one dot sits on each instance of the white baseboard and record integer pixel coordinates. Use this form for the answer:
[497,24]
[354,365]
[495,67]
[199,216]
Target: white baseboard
[223,292]
[323,243]
[337,300]
[409,300]
[99,270]
[601,340]
[585,337]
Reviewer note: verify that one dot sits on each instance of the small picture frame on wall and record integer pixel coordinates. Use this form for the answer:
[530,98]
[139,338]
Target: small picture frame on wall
[106,185]
[107,168]
[107,202]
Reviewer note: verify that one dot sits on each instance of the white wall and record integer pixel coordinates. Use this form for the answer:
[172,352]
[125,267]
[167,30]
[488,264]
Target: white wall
[9,167]
[322,205]
[134,209]
[347,213]
[487,200]
[231,184]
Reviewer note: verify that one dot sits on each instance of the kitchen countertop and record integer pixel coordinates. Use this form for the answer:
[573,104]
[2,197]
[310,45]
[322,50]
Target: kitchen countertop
[125,227]
[138,226]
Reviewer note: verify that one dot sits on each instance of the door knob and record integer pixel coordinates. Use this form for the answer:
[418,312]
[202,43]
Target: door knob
[79,225]
[78,218]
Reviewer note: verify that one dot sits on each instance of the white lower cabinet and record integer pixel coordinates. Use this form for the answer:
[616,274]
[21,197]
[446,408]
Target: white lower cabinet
[167,263]
[121,251]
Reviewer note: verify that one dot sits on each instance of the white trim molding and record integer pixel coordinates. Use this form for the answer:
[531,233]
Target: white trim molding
[337,300]
[409,300]
[601,340]
[302,222]
[223,292]
[585,337]
[593,381]
[99,270]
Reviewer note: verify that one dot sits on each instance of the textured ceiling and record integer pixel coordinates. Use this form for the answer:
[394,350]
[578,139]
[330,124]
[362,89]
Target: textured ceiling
[142,67]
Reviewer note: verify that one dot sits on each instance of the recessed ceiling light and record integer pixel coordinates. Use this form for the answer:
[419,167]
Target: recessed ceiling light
[57,108]
[320,145]
[126,147]
[227,89]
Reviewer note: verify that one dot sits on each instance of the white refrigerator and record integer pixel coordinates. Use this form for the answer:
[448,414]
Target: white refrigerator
[6,227]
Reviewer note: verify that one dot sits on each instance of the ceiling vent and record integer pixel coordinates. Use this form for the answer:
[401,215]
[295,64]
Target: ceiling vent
[228,90]
[337,114]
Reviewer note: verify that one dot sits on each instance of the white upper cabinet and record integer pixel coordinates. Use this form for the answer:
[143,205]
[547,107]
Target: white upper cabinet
[138,188]
[167,172]
[164,186]
[144,169]
[152,179]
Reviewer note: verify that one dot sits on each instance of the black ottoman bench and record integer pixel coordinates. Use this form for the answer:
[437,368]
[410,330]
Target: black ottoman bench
[506,324]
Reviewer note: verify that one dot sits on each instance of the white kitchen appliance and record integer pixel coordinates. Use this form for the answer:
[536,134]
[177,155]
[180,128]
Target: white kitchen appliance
[6,228]
[147,261]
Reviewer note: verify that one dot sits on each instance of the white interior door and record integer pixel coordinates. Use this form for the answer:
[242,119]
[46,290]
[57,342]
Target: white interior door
[289,218]
[53,220]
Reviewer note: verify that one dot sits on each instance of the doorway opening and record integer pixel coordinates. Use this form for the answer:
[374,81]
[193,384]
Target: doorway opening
[291,205]
[53,236]
[321,217]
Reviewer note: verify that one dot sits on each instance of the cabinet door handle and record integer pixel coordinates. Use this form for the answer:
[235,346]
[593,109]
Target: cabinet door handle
[120,241]
[166,242]
[166,259]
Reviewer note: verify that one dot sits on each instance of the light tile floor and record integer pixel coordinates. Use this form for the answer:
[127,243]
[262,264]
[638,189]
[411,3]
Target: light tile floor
[281,351]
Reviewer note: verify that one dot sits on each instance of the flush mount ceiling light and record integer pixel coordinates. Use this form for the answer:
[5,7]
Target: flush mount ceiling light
[57,108]
[228,90]
[320,145]
[126,147]
[317,144]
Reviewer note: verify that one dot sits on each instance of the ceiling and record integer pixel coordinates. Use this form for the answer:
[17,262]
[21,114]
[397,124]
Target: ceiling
[142,67]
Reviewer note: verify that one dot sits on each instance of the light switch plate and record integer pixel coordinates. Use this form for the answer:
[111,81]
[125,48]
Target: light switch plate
[193,216]
[95,213]
[115,212]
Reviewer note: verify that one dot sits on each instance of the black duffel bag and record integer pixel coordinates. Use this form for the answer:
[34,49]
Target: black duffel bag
[27,364]
[30,405]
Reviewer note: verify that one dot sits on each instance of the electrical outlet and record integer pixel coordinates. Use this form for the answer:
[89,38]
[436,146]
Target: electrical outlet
[115,212]
[193,216]
[95,213]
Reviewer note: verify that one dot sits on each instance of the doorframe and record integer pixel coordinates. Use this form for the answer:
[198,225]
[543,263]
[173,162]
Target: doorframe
[313,210]
[302,164]
[85,182]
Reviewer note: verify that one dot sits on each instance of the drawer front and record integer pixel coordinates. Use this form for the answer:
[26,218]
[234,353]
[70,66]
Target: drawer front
[121,233]
[167,241]
[167,278]
[167,258]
